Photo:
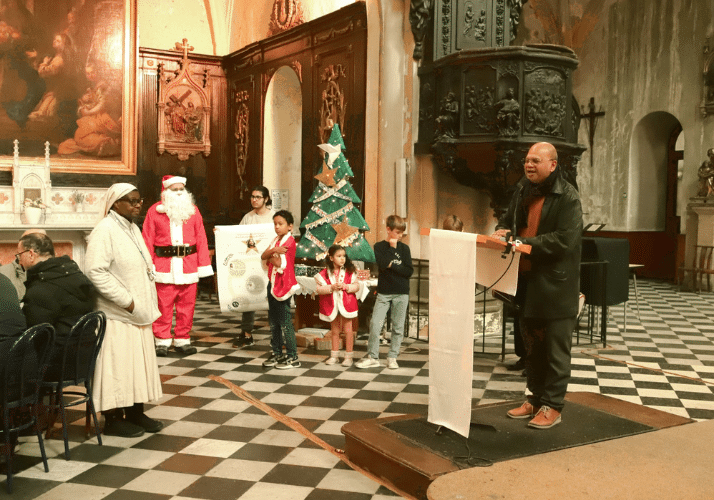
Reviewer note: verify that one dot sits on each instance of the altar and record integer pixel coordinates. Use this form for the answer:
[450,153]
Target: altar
[67,213]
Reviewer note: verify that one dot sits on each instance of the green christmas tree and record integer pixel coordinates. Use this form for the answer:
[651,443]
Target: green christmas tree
[334,217]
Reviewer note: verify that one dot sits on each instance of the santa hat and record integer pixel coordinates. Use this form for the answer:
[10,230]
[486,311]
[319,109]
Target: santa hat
[167,180]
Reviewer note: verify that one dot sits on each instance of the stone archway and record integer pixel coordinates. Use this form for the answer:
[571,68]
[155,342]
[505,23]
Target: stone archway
[282,140]
[655,153]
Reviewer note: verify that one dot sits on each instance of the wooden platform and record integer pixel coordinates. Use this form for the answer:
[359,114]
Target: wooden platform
[412,457]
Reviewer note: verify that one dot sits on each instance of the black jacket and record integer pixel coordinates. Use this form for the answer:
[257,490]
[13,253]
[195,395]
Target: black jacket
[57,292]
[12,322]
[553,285]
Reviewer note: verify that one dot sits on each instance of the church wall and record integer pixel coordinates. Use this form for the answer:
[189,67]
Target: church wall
[163,22]
[634,60]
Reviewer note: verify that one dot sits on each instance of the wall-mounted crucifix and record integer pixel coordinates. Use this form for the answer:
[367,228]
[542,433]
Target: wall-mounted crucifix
[591,124]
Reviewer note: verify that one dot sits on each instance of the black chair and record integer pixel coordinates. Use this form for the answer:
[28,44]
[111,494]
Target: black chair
[79,355]
[604,278]
[21,371]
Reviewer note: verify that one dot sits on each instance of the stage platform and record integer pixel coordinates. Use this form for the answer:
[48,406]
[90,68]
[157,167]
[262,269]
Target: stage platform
[407,452]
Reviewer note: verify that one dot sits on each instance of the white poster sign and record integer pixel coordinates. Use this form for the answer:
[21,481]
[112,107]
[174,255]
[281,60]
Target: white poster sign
[281,199]
[242,278]
[497,270]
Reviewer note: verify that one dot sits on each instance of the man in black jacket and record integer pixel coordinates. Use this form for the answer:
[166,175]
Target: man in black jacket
[57,292]
[545,213]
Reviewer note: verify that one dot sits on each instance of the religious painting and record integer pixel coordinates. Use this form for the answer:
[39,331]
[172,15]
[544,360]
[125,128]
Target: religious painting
[68,76]
[184,111]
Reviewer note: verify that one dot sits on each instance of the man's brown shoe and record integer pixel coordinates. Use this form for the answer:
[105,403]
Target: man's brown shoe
[546,418]
[526,410]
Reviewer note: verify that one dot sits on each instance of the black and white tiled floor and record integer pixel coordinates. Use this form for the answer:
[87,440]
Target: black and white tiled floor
[217,446]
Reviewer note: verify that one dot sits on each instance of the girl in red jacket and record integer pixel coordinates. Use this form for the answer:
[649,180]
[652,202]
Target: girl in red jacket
[336,285]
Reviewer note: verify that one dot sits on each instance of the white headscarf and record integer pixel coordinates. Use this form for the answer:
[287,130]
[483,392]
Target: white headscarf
[115,192]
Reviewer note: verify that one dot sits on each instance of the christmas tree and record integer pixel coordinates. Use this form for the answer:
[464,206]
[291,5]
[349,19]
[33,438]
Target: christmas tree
[334,217]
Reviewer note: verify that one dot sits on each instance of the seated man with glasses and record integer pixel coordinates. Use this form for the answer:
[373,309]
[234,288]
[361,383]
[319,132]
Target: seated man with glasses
[57,292]
[14,271]
[175,236]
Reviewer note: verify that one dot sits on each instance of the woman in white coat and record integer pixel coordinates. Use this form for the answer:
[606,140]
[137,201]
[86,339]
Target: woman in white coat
[119,264]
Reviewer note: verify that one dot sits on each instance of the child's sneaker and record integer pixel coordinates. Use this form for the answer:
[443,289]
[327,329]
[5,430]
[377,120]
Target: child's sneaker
[333,359]
[367,362]
[274,359]
[286,363]
[392,363]
[348,359]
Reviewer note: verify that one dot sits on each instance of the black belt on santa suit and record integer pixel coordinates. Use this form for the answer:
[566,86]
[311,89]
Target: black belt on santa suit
[175,251]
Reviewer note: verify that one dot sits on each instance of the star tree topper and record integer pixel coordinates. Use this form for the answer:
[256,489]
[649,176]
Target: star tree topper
[332,150]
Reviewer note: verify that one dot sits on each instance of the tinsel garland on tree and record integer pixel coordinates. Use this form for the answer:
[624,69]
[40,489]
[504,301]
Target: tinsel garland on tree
[334,217]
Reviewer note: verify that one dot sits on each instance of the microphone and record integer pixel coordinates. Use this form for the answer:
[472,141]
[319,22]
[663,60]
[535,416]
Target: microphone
[509,244]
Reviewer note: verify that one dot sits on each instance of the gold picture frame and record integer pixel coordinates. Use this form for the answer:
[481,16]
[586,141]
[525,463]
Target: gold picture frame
[80,85]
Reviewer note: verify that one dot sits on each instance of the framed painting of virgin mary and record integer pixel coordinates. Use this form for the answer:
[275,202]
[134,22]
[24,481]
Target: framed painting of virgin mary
[68,76]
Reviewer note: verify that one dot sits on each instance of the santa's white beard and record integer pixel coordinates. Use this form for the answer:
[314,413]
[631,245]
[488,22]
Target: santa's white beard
[179,205]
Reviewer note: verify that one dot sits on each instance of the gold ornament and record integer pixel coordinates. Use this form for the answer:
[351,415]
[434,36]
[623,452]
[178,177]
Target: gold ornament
[327,176]
[345,233]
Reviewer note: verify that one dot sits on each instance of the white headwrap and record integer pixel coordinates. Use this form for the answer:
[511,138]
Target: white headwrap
[115,192]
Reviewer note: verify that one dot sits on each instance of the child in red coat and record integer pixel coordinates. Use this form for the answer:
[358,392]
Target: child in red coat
[280,258]
[336,285]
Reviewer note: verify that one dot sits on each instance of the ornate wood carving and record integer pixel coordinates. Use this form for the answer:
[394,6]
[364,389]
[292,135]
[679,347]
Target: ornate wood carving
[447,123]
[426,95]
[545,102]
[242,136]
[419,18]
[184,111]
[707,106]
[445,27]
[500,22]
[267,77]
[286,14]
[333,104]
[515,16]
[334,32]
[478,108]
[298,69]
[508,117]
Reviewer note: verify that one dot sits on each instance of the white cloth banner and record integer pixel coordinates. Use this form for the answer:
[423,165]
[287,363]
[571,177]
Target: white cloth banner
[452,275]
[242,278]
[497,270]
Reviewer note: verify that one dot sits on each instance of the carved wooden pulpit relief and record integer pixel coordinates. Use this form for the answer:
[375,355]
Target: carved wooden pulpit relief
[184,111]
[333,104]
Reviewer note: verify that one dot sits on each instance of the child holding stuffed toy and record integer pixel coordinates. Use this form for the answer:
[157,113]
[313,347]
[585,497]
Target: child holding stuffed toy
[336,286]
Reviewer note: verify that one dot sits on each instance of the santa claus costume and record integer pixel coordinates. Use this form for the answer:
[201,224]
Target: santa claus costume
[174,233]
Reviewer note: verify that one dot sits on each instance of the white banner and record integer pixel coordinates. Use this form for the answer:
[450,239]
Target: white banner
[452,277]
[242,279]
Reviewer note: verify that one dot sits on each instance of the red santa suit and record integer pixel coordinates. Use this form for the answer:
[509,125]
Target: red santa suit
[343,302]
[180,256]
[284,284]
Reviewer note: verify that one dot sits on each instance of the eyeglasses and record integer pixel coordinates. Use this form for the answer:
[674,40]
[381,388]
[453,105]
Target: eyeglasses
[134,202]
[17,255]
[256,197]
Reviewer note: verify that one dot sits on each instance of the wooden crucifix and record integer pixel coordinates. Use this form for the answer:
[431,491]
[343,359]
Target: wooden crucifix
[185,48]
[591,124]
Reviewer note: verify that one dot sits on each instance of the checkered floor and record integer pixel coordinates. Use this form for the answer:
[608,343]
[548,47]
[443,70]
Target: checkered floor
[217,446]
